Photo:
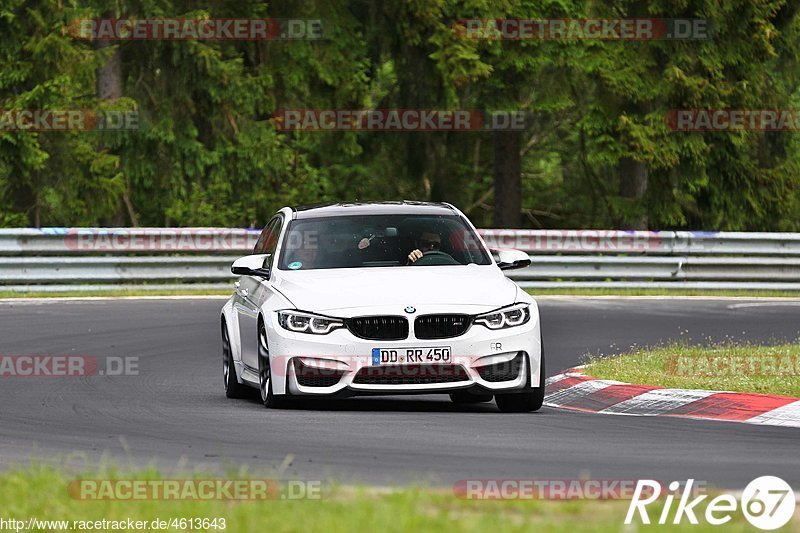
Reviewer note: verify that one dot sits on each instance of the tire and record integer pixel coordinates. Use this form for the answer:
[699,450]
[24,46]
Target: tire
[233,389]
[463,397]
[524,402]
[268,398]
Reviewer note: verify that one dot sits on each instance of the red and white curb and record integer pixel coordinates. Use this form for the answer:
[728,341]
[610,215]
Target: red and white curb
[574,390]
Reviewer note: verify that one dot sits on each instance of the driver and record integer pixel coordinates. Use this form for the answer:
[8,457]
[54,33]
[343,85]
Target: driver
[426,242]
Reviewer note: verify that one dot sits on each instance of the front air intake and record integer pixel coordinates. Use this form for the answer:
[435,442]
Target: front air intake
[309,376]
[379,328]
[507,371]
[411,374]
[441,326]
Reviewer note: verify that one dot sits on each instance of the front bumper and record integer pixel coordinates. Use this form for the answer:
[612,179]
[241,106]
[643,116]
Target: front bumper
[339,363]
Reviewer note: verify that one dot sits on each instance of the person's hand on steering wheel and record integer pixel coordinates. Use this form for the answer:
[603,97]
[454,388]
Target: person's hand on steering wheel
[435,257]
[414,255]
[428,241]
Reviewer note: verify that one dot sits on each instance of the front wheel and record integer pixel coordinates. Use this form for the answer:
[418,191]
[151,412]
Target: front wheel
[268,398]
[524,402]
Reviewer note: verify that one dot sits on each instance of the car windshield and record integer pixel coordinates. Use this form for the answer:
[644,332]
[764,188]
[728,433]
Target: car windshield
[380,241]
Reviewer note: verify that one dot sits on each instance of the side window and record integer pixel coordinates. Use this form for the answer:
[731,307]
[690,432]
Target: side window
[257,249]
[271,242]
[268,240]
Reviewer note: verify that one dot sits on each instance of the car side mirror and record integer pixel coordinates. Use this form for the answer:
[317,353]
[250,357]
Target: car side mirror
[251,265]
[511,259]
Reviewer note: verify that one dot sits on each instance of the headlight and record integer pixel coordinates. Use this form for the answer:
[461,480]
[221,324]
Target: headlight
[301,322]
[508,317]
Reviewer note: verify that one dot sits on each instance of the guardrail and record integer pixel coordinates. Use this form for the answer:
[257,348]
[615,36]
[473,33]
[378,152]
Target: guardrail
[88,258]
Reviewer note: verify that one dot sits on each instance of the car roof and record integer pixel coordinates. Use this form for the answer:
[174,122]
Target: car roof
[405,207]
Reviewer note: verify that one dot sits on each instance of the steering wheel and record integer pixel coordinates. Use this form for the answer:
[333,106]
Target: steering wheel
[435,257]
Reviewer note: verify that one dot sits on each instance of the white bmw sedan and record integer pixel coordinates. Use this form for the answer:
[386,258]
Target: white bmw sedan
[381,298]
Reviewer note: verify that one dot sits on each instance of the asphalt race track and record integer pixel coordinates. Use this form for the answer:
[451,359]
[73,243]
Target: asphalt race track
[174,413]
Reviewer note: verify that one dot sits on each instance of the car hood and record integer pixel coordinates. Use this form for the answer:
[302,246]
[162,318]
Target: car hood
[472,287]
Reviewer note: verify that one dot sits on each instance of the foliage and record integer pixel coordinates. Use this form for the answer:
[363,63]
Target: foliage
[208,154]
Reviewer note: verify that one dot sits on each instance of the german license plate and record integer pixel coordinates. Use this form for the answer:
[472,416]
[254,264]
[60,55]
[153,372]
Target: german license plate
[395,356]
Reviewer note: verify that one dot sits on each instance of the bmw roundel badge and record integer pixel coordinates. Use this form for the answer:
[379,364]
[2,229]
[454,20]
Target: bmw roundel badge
[410,309]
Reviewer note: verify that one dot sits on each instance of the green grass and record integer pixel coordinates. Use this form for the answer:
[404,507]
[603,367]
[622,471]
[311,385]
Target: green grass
[41,492]
[661,292]
[772,370]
